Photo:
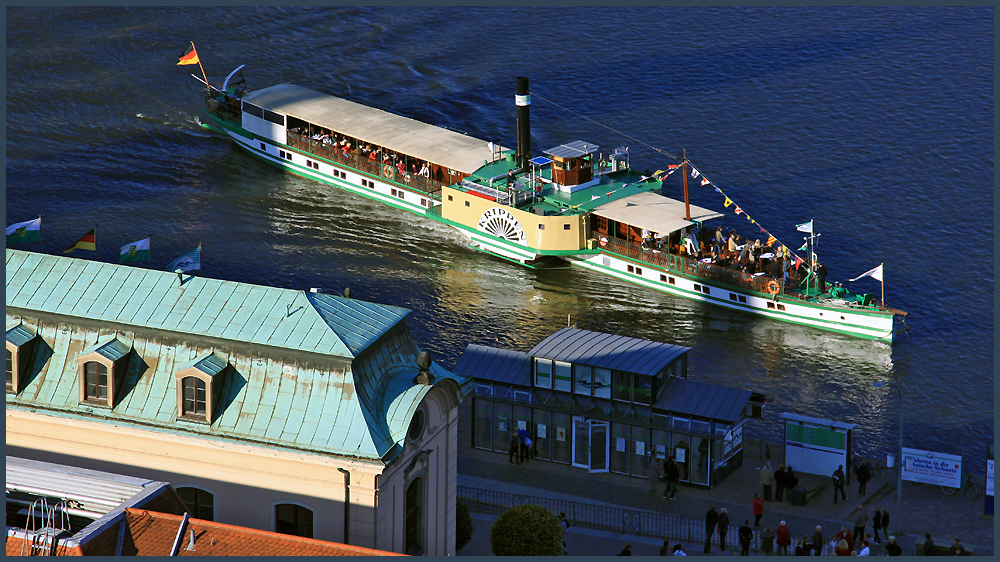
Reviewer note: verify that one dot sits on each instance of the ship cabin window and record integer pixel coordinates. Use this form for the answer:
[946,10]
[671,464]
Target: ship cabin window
[742,298]
[697,287]
[467,204]
[262,147]
[541,227]
[566,227]
[601,224]
[781,307]
[770,305]
[450,198]
[732,296]
[253,110]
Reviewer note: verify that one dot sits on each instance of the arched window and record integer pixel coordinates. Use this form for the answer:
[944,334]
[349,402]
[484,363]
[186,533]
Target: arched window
[414,525]
[194,403]
[293,519]
[95,381]
[200,503]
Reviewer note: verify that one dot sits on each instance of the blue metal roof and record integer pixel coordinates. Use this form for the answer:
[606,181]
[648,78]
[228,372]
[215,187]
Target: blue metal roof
[687,397]
[154,299]
[573,149]
[357,323]
[20,335]
[344,398]
[608,351]
[113,349]
[494,364]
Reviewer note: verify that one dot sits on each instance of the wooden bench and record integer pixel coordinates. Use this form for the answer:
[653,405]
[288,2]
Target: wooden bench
[943,549]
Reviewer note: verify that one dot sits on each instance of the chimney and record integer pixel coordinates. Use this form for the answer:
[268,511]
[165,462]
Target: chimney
[523,101]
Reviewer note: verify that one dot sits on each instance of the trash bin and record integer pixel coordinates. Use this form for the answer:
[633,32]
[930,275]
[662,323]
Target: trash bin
[798,496]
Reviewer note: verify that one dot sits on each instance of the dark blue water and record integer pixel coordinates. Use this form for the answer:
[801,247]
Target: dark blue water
[877,123]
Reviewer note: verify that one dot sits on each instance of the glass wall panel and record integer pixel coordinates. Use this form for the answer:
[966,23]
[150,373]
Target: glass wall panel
[621,386]
[602,382]
[581,442]
[522,420]
[563,377]
[561,439]
[621,447]
[503,426]
[542,433]
[583,379]
[482,424]
[682,452]
[641,451]
[642,391]
[543,373]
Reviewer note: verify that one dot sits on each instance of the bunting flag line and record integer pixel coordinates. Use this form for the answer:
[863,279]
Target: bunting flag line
[86,242]
[876,273]
[135,252]
[28,231]
[188,262]
[189,56]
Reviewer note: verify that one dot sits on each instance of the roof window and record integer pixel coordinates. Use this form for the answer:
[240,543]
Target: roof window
[199,383]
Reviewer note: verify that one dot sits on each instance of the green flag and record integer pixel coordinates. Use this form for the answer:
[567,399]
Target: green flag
[135,252]
[29,231]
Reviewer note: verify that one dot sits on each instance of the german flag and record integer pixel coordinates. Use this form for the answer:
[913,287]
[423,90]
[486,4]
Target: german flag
[190,56]
[87,242]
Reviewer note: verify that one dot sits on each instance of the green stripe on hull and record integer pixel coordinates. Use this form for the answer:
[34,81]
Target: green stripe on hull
[827,325]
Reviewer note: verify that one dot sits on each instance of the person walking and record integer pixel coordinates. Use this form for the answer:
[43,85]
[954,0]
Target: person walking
[791,481]
[885,522]
[672,474]
[711,521]
[767,537]
[767,480]
[817,541]
[758,509]
[723,527]
[860,522]
[928,549]
[514,447]
[746,537]
[864,474]
[565,525]
[877,525]
[783,538]
[838,483]
[779,483]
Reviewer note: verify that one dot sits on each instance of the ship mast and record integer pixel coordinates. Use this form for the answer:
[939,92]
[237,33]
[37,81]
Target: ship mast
[684,174]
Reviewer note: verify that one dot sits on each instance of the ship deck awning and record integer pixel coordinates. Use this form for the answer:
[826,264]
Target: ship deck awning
[408,136]
[653,212]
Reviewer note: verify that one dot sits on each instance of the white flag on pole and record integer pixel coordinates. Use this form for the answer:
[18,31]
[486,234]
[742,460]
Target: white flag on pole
[805,227]
[876,273]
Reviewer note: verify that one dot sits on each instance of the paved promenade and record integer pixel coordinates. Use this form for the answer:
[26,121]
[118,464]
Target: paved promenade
[925,508]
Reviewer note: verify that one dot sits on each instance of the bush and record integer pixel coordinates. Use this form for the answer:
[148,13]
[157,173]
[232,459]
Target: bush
[463,525]
[527,530]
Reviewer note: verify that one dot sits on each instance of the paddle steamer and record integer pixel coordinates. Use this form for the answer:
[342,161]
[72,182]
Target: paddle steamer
[574,203]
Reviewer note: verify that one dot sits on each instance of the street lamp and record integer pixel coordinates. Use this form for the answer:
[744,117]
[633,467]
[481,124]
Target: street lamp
[899,457]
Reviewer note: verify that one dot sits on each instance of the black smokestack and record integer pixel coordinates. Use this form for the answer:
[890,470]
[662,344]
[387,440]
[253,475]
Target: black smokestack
[523,100]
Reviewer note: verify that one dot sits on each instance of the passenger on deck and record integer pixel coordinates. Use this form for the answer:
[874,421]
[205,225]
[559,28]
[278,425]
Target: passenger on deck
[510,178]
[821,276]
[745,252]
[373,155]
[719,241]
[775,269]
[425,171]
[732,242]
[756,250]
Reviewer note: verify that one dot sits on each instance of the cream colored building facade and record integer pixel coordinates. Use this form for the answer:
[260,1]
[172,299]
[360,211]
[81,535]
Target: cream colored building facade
[269,408]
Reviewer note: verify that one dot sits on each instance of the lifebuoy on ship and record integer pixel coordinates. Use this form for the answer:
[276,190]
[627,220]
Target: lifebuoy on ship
[773,287]
[387,171]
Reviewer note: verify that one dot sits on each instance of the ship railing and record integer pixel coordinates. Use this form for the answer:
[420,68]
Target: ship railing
[386,172]
[685,265]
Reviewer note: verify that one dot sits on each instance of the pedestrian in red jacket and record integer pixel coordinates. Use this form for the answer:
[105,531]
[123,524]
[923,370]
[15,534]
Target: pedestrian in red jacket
[783,538]
[758,509]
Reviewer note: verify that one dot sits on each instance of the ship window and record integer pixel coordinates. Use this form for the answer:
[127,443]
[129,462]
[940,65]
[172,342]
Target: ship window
[423,202]
[253,110]
[732,296]
[262,147]
[697,287]
[671,280]
[450,198]
[781,307]
[638,271]
[770,305]
[705,290]
[663,277]
[565,227]
[742,298]
[393,192]
[467,204]
[631,269]
[541,227]
[276,118]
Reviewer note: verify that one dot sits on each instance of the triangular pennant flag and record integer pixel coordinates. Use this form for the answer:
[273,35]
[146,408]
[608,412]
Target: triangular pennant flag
[762,231]
[695,173]
[749,219]
[727,203]
[704,181]
[805,246]
[671,166]
[876,273]
[737,210]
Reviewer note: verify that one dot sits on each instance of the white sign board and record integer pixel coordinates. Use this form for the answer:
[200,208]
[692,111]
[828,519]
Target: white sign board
[929,467]
[640,447]
[540,430]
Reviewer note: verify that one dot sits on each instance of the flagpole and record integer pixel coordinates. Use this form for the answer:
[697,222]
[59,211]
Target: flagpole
[201,67]
[882,280]
[687,205]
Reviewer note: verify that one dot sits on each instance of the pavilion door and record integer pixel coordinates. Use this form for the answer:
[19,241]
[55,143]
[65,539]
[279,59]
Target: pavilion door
[590,444]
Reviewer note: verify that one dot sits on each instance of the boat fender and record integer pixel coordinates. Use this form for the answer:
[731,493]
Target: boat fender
[773,287]
[387,171]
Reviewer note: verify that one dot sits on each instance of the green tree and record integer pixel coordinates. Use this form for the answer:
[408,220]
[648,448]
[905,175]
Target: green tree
[527,530]
[463,525]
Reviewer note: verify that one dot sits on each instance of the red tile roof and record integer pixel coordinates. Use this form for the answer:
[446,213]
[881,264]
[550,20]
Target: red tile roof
[151,533]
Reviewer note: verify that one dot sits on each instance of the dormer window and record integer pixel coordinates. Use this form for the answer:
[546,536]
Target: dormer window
[102,368]
[20,340]
[198,386]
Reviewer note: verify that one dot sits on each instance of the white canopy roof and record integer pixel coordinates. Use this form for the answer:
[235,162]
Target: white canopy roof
[654,212]
[402,134]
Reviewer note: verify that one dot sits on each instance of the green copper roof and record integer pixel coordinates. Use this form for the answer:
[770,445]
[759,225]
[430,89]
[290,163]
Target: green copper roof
[211,364]
[357,323]
[113,349]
